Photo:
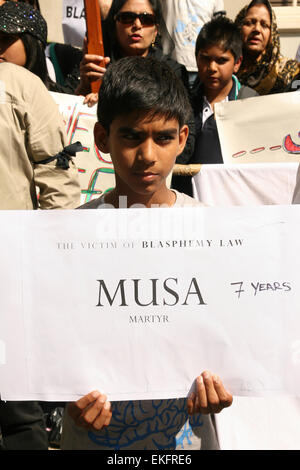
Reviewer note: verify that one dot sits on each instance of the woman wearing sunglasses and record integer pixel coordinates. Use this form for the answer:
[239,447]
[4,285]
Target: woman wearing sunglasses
[132,27]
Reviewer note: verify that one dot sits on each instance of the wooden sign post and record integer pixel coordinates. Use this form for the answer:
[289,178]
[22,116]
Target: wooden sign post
[94,33]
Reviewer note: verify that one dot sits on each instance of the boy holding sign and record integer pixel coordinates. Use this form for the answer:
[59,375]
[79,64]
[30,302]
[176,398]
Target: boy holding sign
[142,114]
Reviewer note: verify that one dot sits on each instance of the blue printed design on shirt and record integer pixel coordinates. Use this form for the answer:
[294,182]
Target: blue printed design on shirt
[148,425]
[180,26]
[188,31]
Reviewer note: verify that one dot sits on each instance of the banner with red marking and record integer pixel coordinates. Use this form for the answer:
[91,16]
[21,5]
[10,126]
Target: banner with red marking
[260,129]
[96,172]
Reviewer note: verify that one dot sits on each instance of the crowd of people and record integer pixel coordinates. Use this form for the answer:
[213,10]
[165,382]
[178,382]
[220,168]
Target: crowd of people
[164,69]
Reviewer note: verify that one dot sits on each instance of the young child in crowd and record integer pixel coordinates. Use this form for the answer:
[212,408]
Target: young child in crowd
[219,56]
[142,113]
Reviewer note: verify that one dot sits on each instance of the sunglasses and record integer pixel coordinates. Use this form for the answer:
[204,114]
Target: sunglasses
[129,17]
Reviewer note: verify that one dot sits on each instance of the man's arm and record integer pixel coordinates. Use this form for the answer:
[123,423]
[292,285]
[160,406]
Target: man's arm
[46,137]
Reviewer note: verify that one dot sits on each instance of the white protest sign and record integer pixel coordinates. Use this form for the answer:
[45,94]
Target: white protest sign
[247,184]
[260,129]
[95,169]
[73,22]
[137,302]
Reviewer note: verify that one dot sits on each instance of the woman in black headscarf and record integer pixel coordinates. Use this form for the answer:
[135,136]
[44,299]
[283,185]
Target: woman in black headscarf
[23,37]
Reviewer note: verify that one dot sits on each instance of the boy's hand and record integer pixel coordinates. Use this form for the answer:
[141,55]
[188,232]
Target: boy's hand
[210,397]
[91,412]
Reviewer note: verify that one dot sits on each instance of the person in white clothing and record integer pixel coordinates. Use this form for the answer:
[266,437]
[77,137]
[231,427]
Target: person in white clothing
[184,20]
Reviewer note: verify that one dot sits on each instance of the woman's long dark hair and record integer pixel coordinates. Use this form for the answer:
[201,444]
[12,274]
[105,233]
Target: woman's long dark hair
[35,57]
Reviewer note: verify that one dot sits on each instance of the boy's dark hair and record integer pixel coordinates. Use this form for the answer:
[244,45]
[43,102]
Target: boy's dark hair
[144,85]
[222,32]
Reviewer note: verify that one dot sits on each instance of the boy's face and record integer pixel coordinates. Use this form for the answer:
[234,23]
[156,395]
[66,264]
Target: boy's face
[142,150]
[216,67]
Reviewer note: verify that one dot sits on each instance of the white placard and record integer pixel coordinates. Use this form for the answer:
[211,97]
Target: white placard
[73,22]
[137,302]
[247,184]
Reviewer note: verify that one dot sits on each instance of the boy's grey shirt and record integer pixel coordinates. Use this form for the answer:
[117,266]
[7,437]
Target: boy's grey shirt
[145,424]
[182,200]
